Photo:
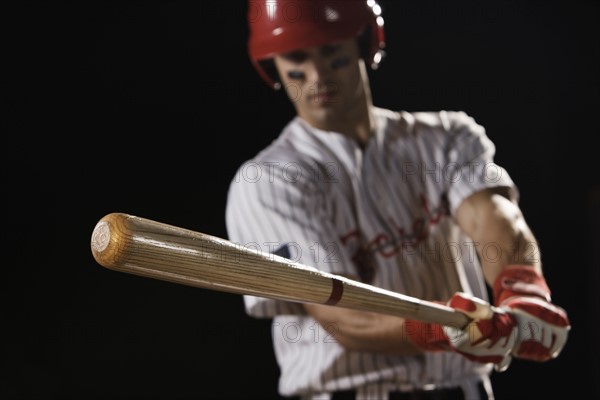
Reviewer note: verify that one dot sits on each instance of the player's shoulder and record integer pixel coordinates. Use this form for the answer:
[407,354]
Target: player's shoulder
[287,160]
[443,122]
[441,118]
[444,119]
[280,149]
[290,147]
[445,128]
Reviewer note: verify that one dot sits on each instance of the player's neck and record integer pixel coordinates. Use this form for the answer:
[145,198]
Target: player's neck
[356,123]
[360,122]
[362,129]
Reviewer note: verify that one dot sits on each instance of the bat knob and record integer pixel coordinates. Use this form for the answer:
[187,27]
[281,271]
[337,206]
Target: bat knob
[109,239]
[100,237]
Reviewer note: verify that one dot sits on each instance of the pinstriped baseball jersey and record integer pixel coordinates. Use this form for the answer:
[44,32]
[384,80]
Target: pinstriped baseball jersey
[382,213]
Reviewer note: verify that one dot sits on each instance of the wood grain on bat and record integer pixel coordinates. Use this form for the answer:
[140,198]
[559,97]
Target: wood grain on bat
[148,248]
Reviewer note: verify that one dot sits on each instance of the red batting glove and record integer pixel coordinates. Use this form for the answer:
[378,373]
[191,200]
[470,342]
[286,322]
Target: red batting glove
[488,338]
[542,327]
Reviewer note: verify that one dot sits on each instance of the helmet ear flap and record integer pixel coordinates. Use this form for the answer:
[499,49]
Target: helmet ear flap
[370,51]
[270,73]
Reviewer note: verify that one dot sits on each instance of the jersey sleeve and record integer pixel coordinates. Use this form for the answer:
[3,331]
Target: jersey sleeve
[470,155]
[274,208]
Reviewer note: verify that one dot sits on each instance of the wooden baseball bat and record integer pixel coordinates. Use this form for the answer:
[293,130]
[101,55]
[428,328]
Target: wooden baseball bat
[152,249]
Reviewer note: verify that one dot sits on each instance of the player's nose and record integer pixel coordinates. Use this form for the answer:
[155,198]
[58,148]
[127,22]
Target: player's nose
[317,70]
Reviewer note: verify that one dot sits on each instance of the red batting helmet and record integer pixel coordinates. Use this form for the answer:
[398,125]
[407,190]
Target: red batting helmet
[279,26]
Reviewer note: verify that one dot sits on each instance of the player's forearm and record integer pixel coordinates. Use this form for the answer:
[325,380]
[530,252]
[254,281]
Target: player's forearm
[364,331]
[502,235]
[513,239]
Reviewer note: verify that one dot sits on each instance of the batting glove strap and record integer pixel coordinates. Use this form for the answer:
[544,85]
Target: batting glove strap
[519,280]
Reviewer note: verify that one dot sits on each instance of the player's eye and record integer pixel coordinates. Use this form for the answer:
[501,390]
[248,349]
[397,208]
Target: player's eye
[297,75]
[340,62]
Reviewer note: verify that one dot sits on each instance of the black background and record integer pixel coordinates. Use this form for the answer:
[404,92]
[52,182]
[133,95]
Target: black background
[148,108]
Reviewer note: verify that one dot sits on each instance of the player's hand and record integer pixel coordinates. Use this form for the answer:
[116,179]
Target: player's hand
[543,327]
[488,338]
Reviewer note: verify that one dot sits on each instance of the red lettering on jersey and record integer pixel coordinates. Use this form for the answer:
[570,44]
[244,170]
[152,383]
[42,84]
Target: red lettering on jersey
[387,246]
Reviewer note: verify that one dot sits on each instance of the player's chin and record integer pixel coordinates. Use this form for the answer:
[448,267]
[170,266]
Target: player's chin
[327,110]
[327,115]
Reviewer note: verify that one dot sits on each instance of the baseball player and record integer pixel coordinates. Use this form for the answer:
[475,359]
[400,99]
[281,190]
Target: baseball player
[409,202]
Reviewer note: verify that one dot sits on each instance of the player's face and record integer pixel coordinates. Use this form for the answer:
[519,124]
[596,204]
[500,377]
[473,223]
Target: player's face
[324,83]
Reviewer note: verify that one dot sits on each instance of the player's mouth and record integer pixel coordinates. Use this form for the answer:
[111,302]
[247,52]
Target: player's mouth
[324,96]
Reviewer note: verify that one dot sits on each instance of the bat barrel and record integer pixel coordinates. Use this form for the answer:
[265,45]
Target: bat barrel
[156,250]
